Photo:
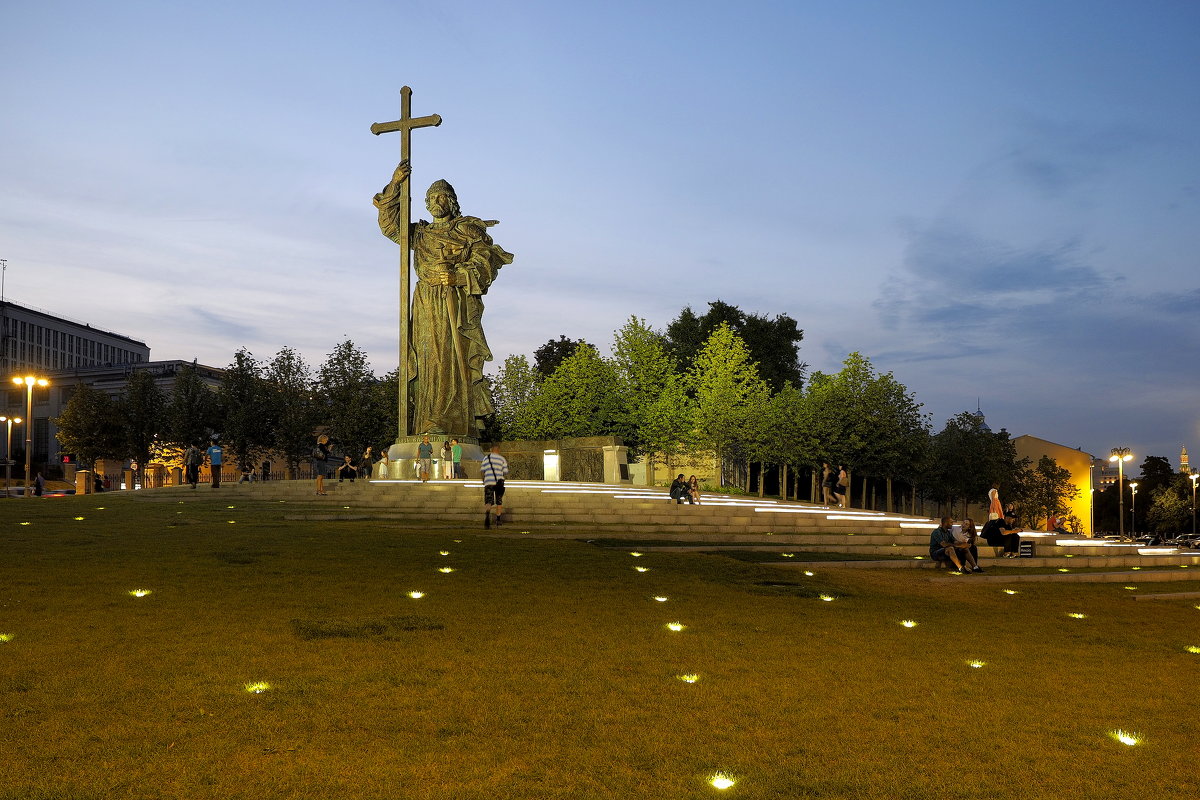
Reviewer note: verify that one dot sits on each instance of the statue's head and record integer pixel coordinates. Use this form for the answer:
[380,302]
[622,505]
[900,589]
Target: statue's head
[441,200]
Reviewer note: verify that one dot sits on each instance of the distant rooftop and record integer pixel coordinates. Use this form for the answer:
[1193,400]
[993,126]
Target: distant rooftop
[60,317]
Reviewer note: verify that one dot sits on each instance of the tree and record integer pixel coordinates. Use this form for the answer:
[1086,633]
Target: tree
[89,426]
[966,458]
[289,407]
[143,415]
[344,386]
[644,371]
[865,421]
[549,356]
[729,394]
[1045,490]
[513,388]
[773,343]
[192,413]
[1171,507]
[577,399]
[246,428]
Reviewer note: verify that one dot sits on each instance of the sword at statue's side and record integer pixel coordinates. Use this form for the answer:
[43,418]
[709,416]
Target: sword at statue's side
[405,125]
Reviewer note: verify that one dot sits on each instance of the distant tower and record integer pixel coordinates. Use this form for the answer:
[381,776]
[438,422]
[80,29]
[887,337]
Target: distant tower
[979,411]
[1183,462]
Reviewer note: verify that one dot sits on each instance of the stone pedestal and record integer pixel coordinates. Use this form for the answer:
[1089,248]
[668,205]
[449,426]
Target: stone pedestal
[616,464]
[403,454]
[83,482]
[176,476]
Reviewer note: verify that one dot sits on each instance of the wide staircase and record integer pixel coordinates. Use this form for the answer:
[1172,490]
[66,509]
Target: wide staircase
[598,512]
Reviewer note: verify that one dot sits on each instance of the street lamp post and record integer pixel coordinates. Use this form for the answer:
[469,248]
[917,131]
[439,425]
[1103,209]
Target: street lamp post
[1195,476]
[8,453]
[1133,511]
[1120,455]
[29,381]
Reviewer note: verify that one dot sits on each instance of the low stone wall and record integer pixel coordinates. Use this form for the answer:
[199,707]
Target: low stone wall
[579,459]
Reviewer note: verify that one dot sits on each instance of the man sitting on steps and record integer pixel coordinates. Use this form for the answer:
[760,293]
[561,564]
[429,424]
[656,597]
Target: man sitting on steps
[680,490]
[942,549]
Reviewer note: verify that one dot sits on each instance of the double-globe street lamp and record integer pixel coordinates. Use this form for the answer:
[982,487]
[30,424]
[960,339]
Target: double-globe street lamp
[8,452]
[1120,455]
[29,381]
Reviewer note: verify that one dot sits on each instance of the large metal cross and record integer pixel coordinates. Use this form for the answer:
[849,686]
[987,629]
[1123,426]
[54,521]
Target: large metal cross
[405,125]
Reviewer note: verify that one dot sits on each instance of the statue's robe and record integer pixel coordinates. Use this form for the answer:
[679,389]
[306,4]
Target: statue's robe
[447,347]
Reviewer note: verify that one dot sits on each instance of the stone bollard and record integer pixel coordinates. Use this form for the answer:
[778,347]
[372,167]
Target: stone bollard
[83,482]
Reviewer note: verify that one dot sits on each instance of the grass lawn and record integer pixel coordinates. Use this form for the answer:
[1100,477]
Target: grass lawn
[545,669]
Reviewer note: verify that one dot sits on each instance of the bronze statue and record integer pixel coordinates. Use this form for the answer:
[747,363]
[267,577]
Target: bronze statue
[455,262]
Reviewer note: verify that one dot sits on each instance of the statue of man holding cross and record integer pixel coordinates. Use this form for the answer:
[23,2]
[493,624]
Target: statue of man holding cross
[455,262]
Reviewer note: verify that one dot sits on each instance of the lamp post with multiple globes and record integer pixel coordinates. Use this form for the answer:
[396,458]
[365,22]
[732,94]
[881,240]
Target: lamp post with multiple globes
[8,452]
[1120,455]
[29,381]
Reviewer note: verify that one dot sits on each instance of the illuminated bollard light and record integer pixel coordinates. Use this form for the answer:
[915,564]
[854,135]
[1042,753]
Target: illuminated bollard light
[140,592]
[416,595]
[908,623]
[443,552]
[689,678]
[258,687]
[808,574]
[1193,649]
[1011,591]
[641,569]
[636,554]
[6,637]
[675,626]
[1077,615]
[826,598]
[446,570]
[974,664]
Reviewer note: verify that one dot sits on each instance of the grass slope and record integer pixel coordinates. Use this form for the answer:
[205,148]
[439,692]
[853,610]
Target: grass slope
[543,669]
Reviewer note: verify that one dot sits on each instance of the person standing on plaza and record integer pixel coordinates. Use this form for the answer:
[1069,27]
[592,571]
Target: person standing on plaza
[192,459]
[366,464]
[425,459]
[320,457]
[839,491]
[456,458]
[828,484]
[446,466]
[214,463]
[493,469]
[995,508]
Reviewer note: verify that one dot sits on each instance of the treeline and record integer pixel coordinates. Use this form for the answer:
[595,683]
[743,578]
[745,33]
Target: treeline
[731,386]
[260,407]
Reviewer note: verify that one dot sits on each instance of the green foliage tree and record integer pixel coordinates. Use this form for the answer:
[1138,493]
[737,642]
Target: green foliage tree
[577,400]
[1171,507]
[192,413]
[868,422]
[548,357]
[1043,490]
[773,343]
[246,423]
[344,386]
[89,426]
[966,457]
[513,389]
[644,372]
[143,415]
[729,396]
[289,407]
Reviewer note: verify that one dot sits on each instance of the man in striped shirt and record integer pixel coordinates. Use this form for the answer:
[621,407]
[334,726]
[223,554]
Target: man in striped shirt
[493,468]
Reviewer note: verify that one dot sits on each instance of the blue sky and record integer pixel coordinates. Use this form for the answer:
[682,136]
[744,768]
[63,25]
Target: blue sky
[992,200]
